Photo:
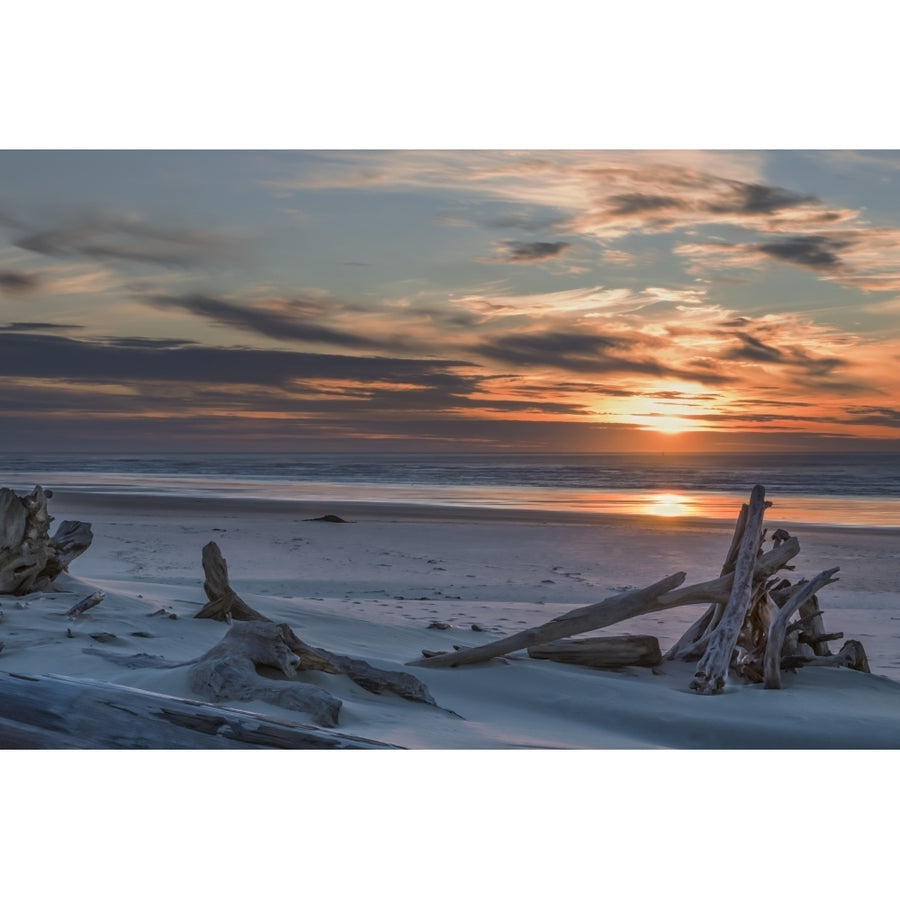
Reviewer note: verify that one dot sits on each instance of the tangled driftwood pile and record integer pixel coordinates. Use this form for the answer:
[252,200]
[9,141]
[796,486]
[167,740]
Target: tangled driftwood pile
[756,623]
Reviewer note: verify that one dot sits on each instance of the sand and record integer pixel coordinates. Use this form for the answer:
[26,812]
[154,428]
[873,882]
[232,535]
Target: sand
[371,587]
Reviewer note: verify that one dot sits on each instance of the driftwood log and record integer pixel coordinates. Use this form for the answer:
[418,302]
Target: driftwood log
[30,559]
[611,652]
[586,618]
[57,712]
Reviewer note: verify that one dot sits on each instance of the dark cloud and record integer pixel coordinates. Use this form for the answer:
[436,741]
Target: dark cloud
[123,239]
[295,321]
[875,415]
[638,204]
[38,326]
[530,251]
[17,282]
[137,361]
[754,350]
[587,353]
[811,251]
[756,199]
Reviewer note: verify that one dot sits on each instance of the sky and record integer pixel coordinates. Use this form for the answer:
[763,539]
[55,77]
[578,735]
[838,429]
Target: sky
[455,300]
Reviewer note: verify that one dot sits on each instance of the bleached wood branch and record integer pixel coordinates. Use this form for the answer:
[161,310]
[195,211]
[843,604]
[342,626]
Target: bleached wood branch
[89,602]
[587,618]
[779,626]
[712,669]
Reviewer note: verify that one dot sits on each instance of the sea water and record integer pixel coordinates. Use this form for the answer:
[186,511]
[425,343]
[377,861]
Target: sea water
[838,489]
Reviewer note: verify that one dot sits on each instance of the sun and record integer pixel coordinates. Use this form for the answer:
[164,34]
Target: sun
[667,425]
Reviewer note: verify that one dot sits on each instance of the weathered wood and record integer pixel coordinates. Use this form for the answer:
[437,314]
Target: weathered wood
[224,603]
[228,672]
[712,669]
[69,542]
[608,652]
[59,712]
[778,628]
[815,634]
[368,677]
[87,603]
[29,558]
[587,618]
[852,655]
[244,664]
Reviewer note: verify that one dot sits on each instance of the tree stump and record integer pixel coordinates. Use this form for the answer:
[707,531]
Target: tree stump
[30,559]
[229,672]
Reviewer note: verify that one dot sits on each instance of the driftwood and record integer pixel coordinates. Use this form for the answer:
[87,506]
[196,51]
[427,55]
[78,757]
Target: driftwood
[224,604]
[242,646]
[228,672]
[778,629]
[712,669]
[266,661]
[611,652]
[852,655]
[586,618]
[59,713]
[656,598]
[89,602]
[30,559]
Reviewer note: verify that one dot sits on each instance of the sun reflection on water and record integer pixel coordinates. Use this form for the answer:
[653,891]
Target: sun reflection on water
[668,505]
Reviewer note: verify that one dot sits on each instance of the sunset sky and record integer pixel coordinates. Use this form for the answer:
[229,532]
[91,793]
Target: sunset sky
[449,300]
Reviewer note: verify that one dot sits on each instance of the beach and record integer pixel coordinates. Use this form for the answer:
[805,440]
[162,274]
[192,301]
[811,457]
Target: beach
[393,580]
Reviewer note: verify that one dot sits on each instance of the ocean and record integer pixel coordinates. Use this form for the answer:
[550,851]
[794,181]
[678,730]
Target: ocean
[839,489]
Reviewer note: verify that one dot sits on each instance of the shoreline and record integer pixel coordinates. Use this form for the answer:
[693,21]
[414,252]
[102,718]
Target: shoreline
[72,503]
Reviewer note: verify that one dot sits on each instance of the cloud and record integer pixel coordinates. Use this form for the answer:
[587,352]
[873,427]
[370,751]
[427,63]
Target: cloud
[814,251]
[875,415]
[755,350]
[590,353]
[116,238]
[17,282]
[296,319]
[624,205]
[865,259]
[605,196]
[527,251]
[38,326]
[754,199]
[144,360]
